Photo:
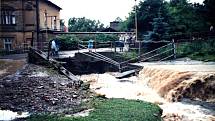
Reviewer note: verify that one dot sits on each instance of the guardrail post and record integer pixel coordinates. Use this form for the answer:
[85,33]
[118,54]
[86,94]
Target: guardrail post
[49,48]
[139,52]
[174,48]
[120,69]
[78,46]
[111,43]
[95,43]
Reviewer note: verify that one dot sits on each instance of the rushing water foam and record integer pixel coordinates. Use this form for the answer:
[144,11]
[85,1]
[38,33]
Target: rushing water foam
[136,88]
[7,115]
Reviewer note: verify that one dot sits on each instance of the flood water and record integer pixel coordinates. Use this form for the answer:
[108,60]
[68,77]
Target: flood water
[134,88]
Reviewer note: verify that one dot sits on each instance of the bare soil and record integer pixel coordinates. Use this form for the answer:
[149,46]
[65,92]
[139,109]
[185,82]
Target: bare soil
[8,66]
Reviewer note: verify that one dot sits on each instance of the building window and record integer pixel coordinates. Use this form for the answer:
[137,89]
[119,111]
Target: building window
[8,43]
[7,17]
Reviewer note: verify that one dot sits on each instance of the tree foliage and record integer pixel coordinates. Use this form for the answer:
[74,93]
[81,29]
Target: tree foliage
[185,17]
[146,11]
[210,9]
[180,15]
[84,25]
[68,42]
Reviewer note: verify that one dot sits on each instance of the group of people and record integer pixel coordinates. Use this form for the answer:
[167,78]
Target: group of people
[124,41]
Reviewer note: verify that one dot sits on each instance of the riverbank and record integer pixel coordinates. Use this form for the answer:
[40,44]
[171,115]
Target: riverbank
[111,110]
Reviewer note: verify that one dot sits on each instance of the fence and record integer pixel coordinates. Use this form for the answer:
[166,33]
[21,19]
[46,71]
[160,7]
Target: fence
[198,48]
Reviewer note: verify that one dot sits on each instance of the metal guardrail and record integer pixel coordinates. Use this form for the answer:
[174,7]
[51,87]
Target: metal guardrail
[157,54]
[166,57]
[145,54]
[56,64]
[122,64]
[101,57]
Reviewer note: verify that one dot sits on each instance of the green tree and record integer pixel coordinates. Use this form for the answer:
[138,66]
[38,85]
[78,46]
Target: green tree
[185,17]
[210,9]
[84,25]
[160,28]
[146,11]
[68,42]
[160,32]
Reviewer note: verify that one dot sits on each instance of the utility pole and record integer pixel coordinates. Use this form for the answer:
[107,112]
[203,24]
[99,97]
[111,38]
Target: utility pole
[136,27]
[46,21]
[37,23]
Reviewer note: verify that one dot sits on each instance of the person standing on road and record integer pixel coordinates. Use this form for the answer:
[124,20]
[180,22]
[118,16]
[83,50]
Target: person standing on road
[57,42]
[90,45]
[121,43]
[53,48]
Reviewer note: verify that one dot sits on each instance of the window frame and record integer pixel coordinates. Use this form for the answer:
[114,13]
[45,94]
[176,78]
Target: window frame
[8,41]
[8,16]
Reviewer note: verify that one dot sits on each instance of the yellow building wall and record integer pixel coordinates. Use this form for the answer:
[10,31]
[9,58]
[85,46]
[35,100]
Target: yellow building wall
[26,22]
[19,39]
[51,11]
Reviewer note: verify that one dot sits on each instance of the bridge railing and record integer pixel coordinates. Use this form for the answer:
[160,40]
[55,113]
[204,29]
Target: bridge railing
[169,47]
[99,56]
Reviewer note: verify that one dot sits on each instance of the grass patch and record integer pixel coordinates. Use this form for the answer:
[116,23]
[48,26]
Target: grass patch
[130,55]
[204,57]
[113,110]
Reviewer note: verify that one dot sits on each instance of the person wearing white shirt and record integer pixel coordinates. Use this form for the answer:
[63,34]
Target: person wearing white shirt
[53,48]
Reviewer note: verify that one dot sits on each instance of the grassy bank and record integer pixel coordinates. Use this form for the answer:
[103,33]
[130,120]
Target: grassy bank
[113,110]
[205,57]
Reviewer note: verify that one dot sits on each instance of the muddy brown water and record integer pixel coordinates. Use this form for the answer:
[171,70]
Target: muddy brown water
[137,87]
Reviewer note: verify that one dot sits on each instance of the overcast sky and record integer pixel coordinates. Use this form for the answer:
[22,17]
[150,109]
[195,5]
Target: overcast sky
[102,10]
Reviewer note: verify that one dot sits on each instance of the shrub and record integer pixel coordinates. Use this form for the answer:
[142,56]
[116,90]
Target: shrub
[68,42]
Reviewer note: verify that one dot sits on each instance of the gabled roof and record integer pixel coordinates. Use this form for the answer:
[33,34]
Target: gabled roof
[52,4]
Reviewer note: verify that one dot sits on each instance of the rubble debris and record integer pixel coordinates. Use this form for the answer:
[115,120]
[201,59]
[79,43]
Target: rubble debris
[43,94]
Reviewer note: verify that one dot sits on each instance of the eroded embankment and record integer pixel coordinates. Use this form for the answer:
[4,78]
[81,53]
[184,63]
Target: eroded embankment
[174,85]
